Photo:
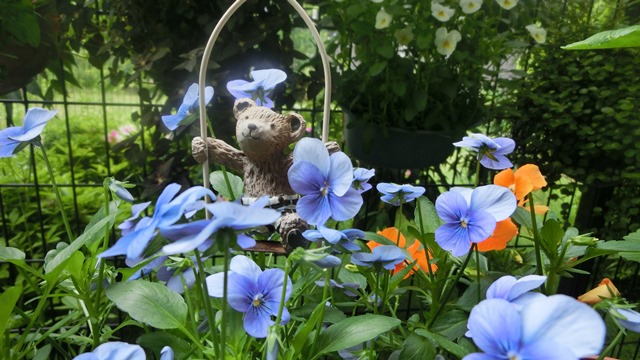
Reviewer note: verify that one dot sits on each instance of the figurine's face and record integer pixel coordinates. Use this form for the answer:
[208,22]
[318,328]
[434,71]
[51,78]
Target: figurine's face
[261,132]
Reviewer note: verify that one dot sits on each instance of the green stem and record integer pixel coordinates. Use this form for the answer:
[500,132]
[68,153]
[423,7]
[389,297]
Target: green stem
[105,244]
[225,296]
[56,192]
[536,241]
[475,249]
[612,345]
[443,303]
[283,296]
[325,294]
[206,302]
[424,244]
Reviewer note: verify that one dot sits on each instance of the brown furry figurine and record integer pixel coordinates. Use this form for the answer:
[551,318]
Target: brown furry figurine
[263,136]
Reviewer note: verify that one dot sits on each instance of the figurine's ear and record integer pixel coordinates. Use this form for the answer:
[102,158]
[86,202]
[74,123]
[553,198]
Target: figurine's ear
[241,105]
[297,126]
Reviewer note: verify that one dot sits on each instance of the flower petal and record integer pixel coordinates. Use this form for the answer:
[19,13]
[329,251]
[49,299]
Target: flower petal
[314,208]
[451,207]
[313,151]
[632,321]
[533,173]
[305,178]
[480,225]
[525,284]
[503,233]
[238,90]
[499,289]
[506,145]
[340,173]
[566,321]
[501,162]
[257,322]
[346,206]
[172,121]
[496,200]
[495,326]
[269,78]
[246,267]
[453,237]
[505,178]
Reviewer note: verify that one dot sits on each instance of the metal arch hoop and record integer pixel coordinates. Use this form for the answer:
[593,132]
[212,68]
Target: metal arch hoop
[207,54]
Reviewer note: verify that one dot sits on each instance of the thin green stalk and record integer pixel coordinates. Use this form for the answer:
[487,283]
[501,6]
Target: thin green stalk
[206,302]
[475,249]
[56,192]
[225,296]
[325,293]
[287,268]
[105,244]
[612,345]
[443,303]
[536,241]
[426,248]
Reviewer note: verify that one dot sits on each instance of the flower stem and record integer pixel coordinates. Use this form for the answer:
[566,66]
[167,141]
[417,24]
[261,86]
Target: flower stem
[206,302]
[105,244]
[443,303]
[611,345]
[225,296]
[56,192]
[475,249]
[424,244]
[536,241]
[325,296]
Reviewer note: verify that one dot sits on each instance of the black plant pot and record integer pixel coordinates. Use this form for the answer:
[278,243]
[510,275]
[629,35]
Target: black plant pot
[397,148]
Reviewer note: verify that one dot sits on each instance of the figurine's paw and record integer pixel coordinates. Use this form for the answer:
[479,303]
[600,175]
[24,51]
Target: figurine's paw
[199,150]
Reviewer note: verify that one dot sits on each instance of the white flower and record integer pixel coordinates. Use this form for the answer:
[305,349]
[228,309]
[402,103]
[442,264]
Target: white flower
[404,36]
[441,12]
[470,6]
[383,19]
[446,41]
[507,4]
[538,33]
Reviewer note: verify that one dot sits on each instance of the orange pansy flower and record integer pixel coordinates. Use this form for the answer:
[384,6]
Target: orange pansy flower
[415,250]
[604,290]
[505,231]
[522,181]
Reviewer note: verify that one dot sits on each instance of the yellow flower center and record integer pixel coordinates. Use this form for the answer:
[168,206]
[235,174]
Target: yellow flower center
[257,300]
[446,44]
[463,223]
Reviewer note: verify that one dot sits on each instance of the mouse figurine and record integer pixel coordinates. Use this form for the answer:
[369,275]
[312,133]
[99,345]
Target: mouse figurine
[263,136]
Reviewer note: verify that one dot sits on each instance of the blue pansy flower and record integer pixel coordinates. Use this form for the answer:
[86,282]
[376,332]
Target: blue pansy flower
[470,216]
[395,194]
[630,319]
[178,279]
[254,292]
[343,238]
[188,107]
[557,327]
[129,224]
[168,210]
[226,214]
[12,137]
[360,178]
[385,256]
[345,287]
[324,182]
[491,152]
[259,90]
[516,290]
[114,350]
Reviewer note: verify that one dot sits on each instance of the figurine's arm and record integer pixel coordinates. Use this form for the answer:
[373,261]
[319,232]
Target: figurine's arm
[219,152]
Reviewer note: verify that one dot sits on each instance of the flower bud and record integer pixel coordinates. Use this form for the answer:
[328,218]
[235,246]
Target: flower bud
[584,240]
[604,290]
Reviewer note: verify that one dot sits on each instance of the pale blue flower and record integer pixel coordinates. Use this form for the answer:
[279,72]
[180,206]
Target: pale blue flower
[345,287]
[395,194]
[324,182]
[385,256]
[188,107]
[491,152]
[129,224]
[557,327]
[360,178]
[118,189]
[169,209]
[516,290]
[343,238]
[115,350]
[254,292]
[226,214]
[34,121]
[631,319]
[259,90]
[470,216]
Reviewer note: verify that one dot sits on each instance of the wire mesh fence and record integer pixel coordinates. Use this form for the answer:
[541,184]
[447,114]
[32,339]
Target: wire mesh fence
[83,142]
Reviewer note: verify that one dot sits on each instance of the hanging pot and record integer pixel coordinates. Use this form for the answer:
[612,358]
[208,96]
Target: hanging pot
[397,148]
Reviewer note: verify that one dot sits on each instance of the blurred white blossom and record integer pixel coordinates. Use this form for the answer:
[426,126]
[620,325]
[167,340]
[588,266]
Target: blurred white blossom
[383,19]
[470,6]
[539,34]
[441,12]
[507,4]
[446,41]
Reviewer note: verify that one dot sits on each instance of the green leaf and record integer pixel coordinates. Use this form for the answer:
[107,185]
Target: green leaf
[353,331]
[157,340]
[301,337]
[417,348]
[150,303]
[552,235]
[386,49]
[8,300]
[377,68]
[93,232]
[220,185]
[443,342]
[11,254]
[451,324]
[426,216]
[522,217]
[612,39]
